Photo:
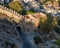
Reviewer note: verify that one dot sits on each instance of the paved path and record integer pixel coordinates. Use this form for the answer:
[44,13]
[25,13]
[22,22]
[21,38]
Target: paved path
[26,42]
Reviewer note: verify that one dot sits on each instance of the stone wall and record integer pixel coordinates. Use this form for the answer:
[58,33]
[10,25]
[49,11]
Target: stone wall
[10,13]
[27,22]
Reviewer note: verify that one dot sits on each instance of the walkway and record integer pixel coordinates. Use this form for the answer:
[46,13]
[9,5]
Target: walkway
[26,42]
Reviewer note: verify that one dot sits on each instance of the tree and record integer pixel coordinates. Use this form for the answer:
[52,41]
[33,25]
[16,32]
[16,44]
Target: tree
[37,40]
[16,6]
[29,12]
[46,25]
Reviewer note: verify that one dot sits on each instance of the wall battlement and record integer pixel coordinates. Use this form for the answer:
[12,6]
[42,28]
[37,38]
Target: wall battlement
[8,9]
[10,13]
[27,23]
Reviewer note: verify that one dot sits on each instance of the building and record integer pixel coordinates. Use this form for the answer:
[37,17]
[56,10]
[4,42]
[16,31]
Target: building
[27,1]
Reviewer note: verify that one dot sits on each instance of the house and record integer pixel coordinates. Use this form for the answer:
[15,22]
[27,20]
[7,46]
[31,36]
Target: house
[26,1]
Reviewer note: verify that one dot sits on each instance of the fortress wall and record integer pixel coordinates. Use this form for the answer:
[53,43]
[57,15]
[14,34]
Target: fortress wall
[10,13]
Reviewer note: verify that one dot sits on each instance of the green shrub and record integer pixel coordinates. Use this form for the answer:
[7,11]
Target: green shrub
[47,23]
[58,22]
[7,42]
[52,47]
[37,40]
[13,45]
[29,12]
[16,6]
[23,12]
[57,29]
[58,42]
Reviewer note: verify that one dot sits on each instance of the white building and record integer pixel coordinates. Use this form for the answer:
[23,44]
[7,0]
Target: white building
[27,1]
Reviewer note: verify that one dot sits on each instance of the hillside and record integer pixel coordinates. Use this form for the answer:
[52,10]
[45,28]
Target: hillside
[9,37]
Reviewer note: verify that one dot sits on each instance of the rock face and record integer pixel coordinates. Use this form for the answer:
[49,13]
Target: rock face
[9,37]
[21,34]
[27,23]
[31,21]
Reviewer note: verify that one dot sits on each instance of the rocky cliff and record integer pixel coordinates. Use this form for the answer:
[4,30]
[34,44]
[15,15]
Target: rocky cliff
[9,37]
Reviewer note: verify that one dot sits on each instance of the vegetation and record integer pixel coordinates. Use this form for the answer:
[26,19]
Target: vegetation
[37,40]
[7,42]
[16,6]
[58,42]
[45,1]
[58,0]
[29,12]
[23,12]
[6,4]
[12,45]
[55,21]
[57,29]
[47,23]
[58,22]
[52,47]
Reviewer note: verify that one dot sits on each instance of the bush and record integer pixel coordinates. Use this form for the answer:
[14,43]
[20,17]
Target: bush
[37,40]
[7,42]
[23,12]
[29,12]
[12,45]
[58,22]
[57,29]
[52,47]
[47,23]
[58,42]
[16,6]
